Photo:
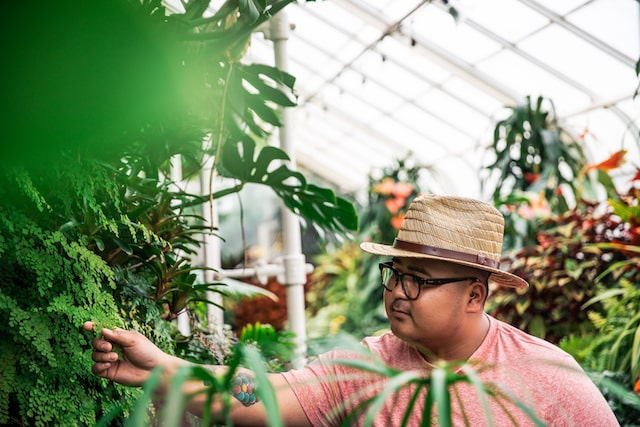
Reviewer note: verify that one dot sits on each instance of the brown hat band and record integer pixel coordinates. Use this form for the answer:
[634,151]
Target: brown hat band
[445,253]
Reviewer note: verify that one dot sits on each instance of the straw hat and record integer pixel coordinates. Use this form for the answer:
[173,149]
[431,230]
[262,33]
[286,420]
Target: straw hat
[454,229]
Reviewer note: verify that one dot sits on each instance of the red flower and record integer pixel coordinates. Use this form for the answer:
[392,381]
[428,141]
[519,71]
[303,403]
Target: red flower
[531,177]
[614,161]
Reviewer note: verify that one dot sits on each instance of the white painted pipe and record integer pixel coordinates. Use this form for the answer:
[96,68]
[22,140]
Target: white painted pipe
[293,258]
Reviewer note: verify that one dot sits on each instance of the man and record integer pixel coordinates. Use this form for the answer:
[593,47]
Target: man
[436,283]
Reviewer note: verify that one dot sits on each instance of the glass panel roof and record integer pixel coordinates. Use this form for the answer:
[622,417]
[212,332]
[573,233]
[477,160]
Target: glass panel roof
[380,80]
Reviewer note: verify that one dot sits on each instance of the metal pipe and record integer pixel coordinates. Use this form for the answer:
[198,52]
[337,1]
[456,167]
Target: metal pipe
[293,259]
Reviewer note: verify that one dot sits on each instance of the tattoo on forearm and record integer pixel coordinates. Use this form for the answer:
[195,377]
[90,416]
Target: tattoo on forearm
[243,387]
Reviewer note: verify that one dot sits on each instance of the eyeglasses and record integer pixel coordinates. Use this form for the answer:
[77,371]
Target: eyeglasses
[411,284]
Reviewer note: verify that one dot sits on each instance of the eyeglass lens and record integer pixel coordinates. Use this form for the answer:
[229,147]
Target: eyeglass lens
[410,283]
[390,278]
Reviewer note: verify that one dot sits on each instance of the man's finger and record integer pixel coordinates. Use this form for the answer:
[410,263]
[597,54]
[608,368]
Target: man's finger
[101,344]
[119,336]
[101,369]
[88,326]
[99,356]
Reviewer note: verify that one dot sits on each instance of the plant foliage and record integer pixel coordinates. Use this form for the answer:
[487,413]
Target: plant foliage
[570,265]
[91,228]
[533,155]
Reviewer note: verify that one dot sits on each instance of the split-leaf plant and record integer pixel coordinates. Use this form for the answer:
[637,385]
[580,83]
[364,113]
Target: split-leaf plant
[104,94]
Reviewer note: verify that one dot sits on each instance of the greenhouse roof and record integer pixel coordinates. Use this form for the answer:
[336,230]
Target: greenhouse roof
[378,81]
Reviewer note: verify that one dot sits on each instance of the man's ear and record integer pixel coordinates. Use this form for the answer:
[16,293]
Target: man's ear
[476,296]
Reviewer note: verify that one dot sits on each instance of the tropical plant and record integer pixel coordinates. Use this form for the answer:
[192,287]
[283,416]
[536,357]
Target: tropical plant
[617,345]
[440,388]
[614,351]
[568,266]
[258,346]
[532,154]
[91,228]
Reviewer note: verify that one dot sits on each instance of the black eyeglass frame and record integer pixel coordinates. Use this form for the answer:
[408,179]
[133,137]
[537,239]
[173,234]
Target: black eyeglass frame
[420,281]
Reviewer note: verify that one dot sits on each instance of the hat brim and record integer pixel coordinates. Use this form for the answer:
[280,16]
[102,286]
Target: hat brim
[499,277]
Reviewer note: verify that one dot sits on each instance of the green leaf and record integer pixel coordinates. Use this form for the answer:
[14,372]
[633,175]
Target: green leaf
[537,327]
[439,390]
[475,380]
[273,73]
[139,414]
[253,8]
[391,386]
[256,103]
[602,296]
[316,204]
[605,179]
[264,389]
[266,91]
[173,407]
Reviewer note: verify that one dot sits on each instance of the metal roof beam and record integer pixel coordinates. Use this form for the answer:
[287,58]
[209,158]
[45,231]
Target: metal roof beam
[559,20]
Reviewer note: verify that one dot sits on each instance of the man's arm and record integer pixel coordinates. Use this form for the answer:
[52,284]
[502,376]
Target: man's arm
[140,356]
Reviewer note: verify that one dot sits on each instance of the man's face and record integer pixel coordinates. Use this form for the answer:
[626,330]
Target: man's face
[433,320]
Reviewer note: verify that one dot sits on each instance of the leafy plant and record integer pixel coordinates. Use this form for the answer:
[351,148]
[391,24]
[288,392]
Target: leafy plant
[258,347]
[90,227]
[438,389]
[624,402]
[575,251]
[618,342]
[533,155]
[51,284]
[613,354]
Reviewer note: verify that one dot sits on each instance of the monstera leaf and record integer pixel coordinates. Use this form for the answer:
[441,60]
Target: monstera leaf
[320,206]
[255,92]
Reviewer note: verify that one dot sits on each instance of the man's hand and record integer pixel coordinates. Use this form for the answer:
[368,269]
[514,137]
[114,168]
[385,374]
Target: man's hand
[139,356]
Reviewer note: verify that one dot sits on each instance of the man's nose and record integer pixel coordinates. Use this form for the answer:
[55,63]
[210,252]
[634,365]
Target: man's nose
[397,291]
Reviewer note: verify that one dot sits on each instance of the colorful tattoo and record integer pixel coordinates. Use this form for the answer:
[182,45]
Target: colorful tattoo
[243,387]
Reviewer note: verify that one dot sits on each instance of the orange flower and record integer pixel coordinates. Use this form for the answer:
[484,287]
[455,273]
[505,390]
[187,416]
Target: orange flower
[396,221]
[614,161]
[395,204]
[402,189]
[538,208]
[636,388]
[385,187]
[544,240]
[586,224]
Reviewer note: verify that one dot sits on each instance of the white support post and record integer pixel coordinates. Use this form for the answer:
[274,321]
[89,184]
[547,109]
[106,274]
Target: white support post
[211,245]
[184,325]
[293,258]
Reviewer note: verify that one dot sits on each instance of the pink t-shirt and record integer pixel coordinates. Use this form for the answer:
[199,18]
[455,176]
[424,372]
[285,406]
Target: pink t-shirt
[541,375]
